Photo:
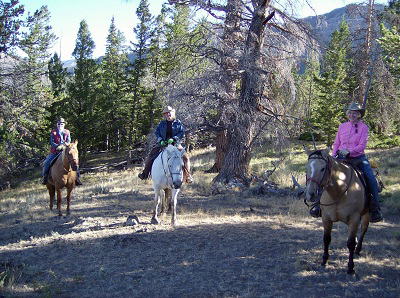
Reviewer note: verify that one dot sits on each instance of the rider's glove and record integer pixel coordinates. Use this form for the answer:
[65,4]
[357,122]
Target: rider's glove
[163,143]
[344,153]
[170,141]
[60,147]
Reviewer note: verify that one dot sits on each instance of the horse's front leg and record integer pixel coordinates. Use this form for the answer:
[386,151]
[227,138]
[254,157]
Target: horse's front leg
[69,194]
[59,201]
[351,245]
[157,198]
[52,194]
[327,240]
[174,202]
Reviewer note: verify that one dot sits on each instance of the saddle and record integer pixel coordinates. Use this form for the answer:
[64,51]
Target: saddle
[52,162]
[356,165]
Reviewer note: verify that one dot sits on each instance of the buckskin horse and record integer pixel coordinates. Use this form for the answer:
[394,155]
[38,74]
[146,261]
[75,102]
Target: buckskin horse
[167,174]
[63,174]
[341,194]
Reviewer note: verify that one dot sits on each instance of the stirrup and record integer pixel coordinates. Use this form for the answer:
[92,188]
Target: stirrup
[375,216]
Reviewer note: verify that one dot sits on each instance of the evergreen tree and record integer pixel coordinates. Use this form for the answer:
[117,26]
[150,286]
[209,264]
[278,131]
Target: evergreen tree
[176,51]
[390,44]
[58,75]
[80,111]
[36,43]
[10,24]
[112,103]
[333,84]
[143,32]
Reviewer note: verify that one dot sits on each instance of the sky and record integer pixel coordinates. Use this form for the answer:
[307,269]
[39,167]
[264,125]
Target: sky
[66,16]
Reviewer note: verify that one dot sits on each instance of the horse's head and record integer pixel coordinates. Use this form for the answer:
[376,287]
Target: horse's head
[71,151]
[318,169]
[175,165]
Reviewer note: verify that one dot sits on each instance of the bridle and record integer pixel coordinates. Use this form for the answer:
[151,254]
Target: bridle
[71,160]
[321,185]
[168,173]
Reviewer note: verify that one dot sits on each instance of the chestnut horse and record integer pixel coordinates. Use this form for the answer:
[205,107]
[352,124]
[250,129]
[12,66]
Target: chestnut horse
[63,174]
[341,194]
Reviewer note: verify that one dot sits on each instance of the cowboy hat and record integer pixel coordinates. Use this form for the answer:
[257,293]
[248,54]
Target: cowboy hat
[60,120]
[168,109]
[355,106]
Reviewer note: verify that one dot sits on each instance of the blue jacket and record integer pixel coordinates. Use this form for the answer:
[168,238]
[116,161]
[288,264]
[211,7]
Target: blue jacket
[178,131]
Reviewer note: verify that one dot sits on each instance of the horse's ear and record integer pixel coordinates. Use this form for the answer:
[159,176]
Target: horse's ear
[307,150]
[76,142]
[327,150]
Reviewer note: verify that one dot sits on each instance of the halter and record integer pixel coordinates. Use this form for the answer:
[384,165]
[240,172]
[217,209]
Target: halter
[321,185]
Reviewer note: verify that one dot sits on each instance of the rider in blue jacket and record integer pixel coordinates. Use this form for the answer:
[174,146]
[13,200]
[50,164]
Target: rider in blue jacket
[169,131]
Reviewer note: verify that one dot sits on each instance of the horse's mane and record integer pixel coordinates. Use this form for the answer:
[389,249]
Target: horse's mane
[316,152]
[63,153]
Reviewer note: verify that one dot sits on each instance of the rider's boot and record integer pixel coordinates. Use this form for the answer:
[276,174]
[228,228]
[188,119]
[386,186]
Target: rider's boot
[45,179]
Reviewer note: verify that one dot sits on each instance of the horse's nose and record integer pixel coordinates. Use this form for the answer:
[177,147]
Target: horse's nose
[177,184]
[310,196]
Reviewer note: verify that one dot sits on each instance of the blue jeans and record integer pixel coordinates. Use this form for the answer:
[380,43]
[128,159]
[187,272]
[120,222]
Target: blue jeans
[46,166]
[370,177]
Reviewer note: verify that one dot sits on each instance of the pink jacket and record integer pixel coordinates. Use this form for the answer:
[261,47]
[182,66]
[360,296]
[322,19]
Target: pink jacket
[353,137]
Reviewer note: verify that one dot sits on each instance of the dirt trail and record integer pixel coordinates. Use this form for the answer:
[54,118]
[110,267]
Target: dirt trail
[224,250]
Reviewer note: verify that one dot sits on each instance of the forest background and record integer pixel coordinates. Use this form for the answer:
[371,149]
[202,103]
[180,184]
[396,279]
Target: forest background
[254,72]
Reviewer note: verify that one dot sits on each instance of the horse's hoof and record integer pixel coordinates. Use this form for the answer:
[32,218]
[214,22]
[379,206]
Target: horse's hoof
[154,221]
[175,223]
[351,272]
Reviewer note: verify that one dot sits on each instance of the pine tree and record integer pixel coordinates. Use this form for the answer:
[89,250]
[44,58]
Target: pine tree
[80,112]
[58,75]
[112,103]
[36,43]
[143,32]
[333,84]
[10,24]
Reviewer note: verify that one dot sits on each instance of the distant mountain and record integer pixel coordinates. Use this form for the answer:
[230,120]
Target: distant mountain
[322,26]
[71,64]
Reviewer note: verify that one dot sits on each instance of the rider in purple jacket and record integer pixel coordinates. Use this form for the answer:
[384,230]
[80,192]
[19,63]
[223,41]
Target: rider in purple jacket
[58,139]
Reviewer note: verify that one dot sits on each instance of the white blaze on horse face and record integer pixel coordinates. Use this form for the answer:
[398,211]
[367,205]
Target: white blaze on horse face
[312,168]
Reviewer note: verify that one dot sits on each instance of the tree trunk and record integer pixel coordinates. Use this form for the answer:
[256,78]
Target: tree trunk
[241,131]
[229,66]
[366,55]
[221,143]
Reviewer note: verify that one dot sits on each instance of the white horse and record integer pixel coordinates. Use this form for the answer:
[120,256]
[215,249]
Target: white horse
[167,173]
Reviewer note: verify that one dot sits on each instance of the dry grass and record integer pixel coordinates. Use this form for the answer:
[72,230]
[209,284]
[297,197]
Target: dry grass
[230,243]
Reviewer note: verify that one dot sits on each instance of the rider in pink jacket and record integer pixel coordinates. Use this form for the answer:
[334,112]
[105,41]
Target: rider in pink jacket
[350,142]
